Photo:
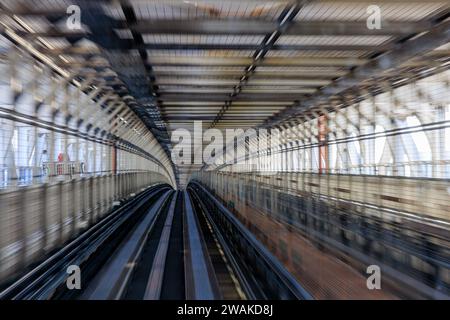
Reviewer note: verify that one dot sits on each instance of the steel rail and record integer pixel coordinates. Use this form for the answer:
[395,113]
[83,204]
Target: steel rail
[115,275]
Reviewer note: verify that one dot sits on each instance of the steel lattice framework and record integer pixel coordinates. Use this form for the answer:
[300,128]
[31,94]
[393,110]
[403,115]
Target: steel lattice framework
[234,64]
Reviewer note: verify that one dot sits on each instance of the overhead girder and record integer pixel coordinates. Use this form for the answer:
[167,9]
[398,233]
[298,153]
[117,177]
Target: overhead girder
[84,110]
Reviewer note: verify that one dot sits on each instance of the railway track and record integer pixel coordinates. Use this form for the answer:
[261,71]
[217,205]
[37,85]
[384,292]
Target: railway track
[164,244]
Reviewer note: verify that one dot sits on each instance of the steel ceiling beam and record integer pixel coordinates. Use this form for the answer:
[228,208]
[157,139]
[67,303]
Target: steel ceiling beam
[300,90]
[103,35]
[214,108]
[127,44]
[152,89]
[212,117]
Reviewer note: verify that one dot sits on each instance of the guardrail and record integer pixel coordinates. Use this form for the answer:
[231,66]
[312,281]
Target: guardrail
[37,219]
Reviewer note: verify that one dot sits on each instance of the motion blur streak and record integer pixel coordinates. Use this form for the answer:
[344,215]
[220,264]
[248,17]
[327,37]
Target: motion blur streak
[104,165]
